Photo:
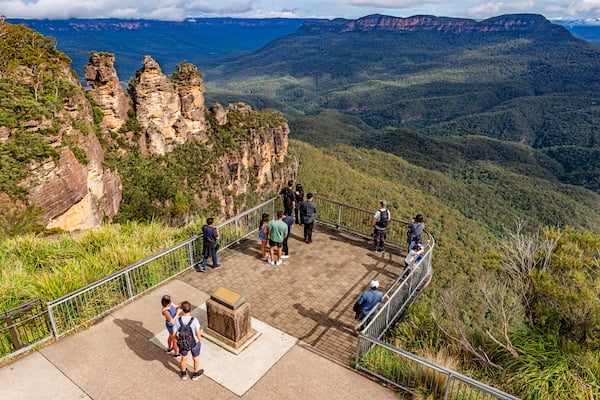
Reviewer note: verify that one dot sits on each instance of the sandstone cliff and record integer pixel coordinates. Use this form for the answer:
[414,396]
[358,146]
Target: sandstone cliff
[73,193]
[239,155]
[57,161]
[169,109]
[219,161]
[507,23]
[106,90]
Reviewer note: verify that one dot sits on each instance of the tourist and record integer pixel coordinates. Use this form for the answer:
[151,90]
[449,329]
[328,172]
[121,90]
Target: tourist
[415,231]
[308,209]
[188,333]
[299,195]
[169,311]
[381,220]
[263,235]
[368,300]
[277,232]
[289,221]
[414,256]
[289,198]
[209,245]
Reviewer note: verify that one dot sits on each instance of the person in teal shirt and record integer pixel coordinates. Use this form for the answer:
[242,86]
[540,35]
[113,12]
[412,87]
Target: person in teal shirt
[278,230]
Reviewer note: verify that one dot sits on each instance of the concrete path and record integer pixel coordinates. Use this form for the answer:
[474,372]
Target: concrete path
[303,309]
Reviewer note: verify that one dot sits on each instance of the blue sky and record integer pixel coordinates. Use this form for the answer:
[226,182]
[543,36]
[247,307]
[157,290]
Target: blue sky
[180,9]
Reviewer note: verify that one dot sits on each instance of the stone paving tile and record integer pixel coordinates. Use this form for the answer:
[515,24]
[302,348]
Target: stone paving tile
[309,296]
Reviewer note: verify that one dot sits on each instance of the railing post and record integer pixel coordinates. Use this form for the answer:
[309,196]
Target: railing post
[237,229]
[339,220]
[448,382]
[191,253]
[52,320]
[129,286]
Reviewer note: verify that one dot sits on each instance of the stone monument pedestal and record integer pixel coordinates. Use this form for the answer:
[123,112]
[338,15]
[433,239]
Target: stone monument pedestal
[229,321]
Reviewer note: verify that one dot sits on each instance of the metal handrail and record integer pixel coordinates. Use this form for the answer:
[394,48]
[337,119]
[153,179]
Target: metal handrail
[123,285]
[101,297]
[400,294]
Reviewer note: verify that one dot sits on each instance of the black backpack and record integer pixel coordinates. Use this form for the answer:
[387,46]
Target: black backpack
[186,341]
[384,219]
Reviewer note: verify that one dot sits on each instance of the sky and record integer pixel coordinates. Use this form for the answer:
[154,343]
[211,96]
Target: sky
[175,10]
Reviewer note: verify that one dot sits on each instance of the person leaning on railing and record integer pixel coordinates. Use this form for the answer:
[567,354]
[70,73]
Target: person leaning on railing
[368,300]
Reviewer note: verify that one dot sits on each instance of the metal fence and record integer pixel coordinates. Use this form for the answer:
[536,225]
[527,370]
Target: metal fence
[34,323]
[414,374]
[400,368]
[23,327]
[93,301]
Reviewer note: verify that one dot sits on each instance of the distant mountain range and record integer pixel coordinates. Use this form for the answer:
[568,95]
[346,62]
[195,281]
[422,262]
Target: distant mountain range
[519,78]
[198,40]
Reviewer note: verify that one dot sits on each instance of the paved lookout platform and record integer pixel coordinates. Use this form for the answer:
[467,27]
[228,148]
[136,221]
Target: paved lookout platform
[302,308]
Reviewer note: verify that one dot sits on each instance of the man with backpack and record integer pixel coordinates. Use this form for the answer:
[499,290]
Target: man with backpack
[187,330]
[380,223]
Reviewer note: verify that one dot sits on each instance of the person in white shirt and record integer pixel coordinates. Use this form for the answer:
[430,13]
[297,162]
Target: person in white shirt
[414,256]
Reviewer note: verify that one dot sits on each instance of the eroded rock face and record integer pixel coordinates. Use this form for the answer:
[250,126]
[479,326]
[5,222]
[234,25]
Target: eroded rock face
[169,109]
[106,90]
[73,193]
[259,165]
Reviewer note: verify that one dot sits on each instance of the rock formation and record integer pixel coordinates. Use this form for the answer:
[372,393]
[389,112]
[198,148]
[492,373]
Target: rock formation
[169,109]
[106,90]
[241,152]
[73,193]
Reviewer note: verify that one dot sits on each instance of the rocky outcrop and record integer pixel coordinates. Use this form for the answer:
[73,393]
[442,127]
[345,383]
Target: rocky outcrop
[169,109]
[506,23]
[106,90]
[241,154]
[259,164]
[73,190]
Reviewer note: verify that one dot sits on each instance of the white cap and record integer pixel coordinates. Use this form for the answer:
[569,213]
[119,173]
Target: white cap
[374,283]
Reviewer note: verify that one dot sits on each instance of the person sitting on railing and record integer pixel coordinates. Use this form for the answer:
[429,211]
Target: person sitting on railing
[415,255]
[368,300]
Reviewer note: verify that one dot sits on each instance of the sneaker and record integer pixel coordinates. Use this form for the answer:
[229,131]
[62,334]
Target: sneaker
[270,261]
[183,375]
[168,351]
[285,256]
[176,355]
[196,375]
[202,269]
[216,266]
[279,262]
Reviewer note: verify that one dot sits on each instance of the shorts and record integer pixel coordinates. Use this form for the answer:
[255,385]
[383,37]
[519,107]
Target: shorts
[262,236]
[195,350]
[169,327]
[275,244]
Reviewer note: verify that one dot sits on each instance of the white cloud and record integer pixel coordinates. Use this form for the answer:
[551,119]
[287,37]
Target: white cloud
[169,9]
[392,4]
[575,8]
[494,8]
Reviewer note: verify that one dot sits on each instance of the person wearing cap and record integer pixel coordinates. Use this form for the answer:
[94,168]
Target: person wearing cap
[380,223]
[415,231]
[368,300]
[308,209]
